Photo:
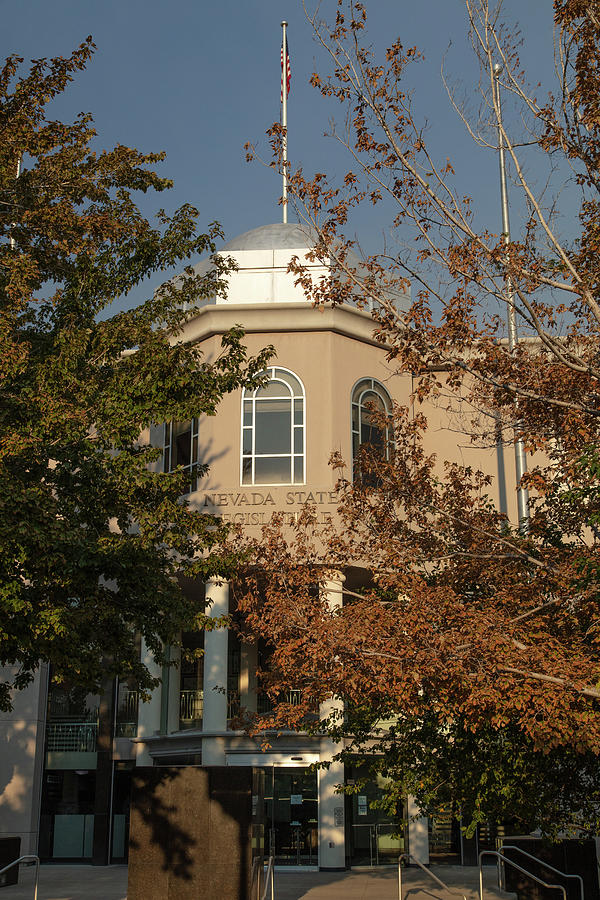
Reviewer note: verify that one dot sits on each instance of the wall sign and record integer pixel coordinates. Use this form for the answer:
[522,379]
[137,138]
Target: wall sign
[257,507]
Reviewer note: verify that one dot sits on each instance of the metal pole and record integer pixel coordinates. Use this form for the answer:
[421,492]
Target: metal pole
[37,878]
[12,240]
[284,57]
[513,337]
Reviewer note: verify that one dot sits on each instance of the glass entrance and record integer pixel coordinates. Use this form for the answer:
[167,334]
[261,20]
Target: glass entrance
[291,816]
[375,837]
[445,839]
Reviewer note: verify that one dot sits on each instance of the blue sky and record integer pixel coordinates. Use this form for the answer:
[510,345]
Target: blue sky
[198,79]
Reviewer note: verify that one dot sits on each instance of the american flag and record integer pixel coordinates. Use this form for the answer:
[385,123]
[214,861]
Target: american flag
[285,55]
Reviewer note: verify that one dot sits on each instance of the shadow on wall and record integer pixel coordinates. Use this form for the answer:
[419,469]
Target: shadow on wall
[17,752]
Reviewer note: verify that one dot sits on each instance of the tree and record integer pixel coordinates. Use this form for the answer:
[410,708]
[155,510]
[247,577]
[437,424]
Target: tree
[479,636]
[92,538]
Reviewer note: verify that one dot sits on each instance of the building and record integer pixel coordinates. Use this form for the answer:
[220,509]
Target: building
[68,758]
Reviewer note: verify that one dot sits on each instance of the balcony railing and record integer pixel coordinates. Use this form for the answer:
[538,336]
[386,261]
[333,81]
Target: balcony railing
[72,737]
[264,704]
[127,714]
[191,708]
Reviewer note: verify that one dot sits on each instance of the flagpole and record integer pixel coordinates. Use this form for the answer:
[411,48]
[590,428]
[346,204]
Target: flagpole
[284,119]
[513,337]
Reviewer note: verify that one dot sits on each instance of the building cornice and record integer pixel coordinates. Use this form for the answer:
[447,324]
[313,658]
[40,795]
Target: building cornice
[275,318]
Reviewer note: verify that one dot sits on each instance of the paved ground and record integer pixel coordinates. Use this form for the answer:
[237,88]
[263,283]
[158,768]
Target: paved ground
[110,883]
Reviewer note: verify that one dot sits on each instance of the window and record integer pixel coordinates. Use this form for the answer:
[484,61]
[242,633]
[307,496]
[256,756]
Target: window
[181,449]
[273,435]
[370,402]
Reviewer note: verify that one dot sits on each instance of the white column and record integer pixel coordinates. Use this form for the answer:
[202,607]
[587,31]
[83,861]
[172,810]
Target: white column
[418,833]
[149,712]
[332,851]
[173,698]
[214,718]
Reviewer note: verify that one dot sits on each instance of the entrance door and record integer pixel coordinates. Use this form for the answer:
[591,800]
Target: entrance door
[291,816]
[445,839]
[375,837]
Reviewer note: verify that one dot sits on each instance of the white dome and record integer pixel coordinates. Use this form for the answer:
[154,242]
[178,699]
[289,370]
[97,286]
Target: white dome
[262,256]
[288,236]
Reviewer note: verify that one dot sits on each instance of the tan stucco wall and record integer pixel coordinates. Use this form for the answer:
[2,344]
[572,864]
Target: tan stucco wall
[330,351]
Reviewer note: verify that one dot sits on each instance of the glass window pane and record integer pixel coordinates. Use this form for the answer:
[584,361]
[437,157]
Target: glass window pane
[298,412]
[181,444]
[167,460]
[372,435]
[273,389]
[247,471]
[360,387]
[298,470]
[291,380]
[247,441]
[272,470]
[371,399]
[247,412]
[273,425]
[298,440]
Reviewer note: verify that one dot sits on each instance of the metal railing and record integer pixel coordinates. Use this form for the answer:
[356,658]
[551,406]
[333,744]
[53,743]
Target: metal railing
[191,706]
[545,865]
[28,858]
[72,737]
[408,857]
[264,704]
[254,879]
[270,879]
[519,868]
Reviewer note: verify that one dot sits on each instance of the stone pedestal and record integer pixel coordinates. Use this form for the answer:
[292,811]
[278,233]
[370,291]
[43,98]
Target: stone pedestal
[192,833]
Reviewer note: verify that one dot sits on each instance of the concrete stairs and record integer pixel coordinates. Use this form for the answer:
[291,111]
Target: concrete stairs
[382,884]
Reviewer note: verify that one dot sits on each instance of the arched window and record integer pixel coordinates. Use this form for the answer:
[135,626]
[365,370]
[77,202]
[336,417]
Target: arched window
[273,445]
[181,448]
[370,402]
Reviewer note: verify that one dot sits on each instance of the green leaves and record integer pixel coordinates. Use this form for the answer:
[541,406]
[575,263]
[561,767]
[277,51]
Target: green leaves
[92,538]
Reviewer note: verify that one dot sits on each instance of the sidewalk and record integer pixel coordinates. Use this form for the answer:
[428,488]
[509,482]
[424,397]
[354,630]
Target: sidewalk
[110,883]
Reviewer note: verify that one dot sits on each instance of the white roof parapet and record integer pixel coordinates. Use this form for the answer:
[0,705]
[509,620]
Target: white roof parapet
[262,257]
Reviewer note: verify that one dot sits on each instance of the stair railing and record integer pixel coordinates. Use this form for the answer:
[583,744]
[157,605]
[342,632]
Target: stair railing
[544,864]
[270,879]
[408,857]
[507,861]
[28,858]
